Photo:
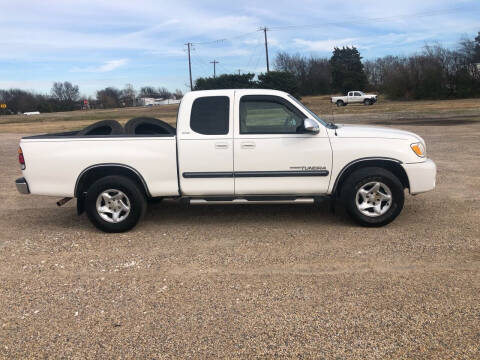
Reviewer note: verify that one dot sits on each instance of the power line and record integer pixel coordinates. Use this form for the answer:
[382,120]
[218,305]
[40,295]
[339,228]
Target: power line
[222,40]
[349,21]
[375,19]
[202,68]
[252,54]
[316,25]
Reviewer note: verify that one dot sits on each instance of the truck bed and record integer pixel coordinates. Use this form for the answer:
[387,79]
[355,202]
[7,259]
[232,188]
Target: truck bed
[54,162]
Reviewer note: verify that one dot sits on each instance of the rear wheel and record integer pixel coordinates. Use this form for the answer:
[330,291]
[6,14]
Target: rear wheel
[373,196]
[115,204]
[340,103]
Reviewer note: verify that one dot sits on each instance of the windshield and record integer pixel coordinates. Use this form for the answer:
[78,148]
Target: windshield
[315,116]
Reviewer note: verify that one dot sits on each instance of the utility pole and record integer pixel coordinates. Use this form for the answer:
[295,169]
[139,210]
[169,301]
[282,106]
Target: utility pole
[264,29]
[190,65]
[239,70]
[214,62]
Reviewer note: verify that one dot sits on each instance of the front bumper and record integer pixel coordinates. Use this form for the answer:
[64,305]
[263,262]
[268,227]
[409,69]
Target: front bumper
[421,176]
[22,186]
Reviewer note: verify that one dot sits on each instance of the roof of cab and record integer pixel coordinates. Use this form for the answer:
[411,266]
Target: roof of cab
[219,92]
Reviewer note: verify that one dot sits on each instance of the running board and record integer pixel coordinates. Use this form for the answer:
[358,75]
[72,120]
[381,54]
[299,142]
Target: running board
[250,201]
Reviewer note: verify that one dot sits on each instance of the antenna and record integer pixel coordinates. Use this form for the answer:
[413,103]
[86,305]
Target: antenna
[333,121]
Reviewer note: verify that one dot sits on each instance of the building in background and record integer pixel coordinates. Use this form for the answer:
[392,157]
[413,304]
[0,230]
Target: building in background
[147,101]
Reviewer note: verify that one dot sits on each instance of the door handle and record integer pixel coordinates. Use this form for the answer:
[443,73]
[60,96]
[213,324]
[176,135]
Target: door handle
[247,145]
[221,145]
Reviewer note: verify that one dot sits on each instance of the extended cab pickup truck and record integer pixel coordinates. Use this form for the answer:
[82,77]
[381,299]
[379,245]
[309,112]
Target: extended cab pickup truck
[230,147]
[354,97]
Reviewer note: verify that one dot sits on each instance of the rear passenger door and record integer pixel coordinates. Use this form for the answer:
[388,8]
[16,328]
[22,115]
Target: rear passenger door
[357,97]
[205,145]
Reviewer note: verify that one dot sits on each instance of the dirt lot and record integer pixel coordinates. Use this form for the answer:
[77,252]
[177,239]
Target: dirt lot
[252,282]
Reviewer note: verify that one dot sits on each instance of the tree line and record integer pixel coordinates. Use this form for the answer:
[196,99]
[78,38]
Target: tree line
[65,96]
[435,72]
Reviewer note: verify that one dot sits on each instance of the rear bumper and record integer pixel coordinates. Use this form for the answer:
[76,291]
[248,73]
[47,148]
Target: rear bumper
[421,176]
[22,186]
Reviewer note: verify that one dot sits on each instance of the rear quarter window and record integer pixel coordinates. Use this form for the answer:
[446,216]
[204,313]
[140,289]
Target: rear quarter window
[210,115]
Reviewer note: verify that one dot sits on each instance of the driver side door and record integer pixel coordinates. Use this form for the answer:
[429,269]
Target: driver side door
[272,155]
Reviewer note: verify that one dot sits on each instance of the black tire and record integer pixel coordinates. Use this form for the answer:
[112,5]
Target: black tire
[135,197]
[104,127]
[367,102]
[362,177]
[340,103]
[148,126]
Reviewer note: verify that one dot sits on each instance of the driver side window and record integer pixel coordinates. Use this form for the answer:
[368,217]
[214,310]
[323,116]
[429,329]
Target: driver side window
[267,115]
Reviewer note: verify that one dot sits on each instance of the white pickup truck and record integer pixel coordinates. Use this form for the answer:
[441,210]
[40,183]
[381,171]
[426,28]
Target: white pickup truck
[354,97]
[229,147]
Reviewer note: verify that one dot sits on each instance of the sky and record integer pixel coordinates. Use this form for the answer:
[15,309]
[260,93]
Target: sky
[100,43]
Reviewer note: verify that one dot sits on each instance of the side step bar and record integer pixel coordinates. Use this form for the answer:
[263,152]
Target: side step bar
[250,201]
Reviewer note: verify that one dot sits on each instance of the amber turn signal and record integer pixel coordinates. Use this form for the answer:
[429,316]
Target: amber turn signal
[418,149]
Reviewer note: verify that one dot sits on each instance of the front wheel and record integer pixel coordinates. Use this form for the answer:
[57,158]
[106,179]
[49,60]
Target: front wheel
[114,204]
[373,196]
[367,102]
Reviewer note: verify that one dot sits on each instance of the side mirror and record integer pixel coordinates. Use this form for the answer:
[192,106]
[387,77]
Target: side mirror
[310,126]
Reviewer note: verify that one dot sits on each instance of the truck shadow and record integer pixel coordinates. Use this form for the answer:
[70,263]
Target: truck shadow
[172,212]
[175,214]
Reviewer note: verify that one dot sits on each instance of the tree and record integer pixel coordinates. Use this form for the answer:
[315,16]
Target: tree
[347,70]
[66,94]
[225,81]
[278,80]
[178,94]
[312,75]
[148,91]
[109,97]
[476,58]
[128,95]
[164,93]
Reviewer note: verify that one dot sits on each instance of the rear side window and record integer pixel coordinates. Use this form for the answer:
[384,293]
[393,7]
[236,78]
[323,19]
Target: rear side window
[210,115]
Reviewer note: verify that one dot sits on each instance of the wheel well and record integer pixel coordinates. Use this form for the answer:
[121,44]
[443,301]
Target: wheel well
[93,173]
[391,165]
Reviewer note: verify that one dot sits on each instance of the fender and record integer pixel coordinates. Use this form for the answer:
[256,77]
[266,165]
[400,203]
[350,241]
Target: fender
[81,176]
[352,164]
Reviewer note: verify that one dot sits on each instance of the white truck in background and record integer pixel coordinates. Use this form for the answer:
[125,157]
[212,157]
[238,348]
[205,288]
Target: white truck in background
[230,147]
[354,97]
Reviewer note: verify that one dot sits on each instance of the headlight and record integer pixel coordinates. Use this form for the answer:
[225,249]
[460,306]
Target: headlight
[419,149]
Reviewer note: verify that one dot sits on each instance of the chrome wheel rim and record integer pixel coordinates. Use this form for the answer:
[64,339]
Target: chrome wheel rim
[113,206]
[373,199]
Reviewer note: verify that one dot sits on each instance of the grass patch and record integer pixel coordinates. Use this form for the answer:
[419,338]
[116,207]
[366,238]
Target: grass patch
[74,120]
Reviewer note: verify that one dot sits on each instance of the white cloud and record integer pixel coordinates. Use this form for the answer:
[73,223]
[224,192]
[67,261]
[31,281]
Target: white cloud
[105,67]
[324,45]
[46,41]
[112,65]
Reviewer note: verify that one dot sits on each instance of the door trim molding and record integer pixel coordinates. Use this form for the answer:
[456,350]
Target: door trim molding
[250,174]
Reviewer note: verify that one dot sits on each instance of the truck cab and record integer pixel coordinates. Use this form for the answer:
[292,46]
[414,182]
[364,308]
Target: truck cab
[248,142]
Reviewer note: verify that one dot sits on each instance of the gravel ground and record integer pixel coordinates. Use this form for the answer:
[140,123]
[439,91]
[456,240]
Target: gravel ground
[248,282]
